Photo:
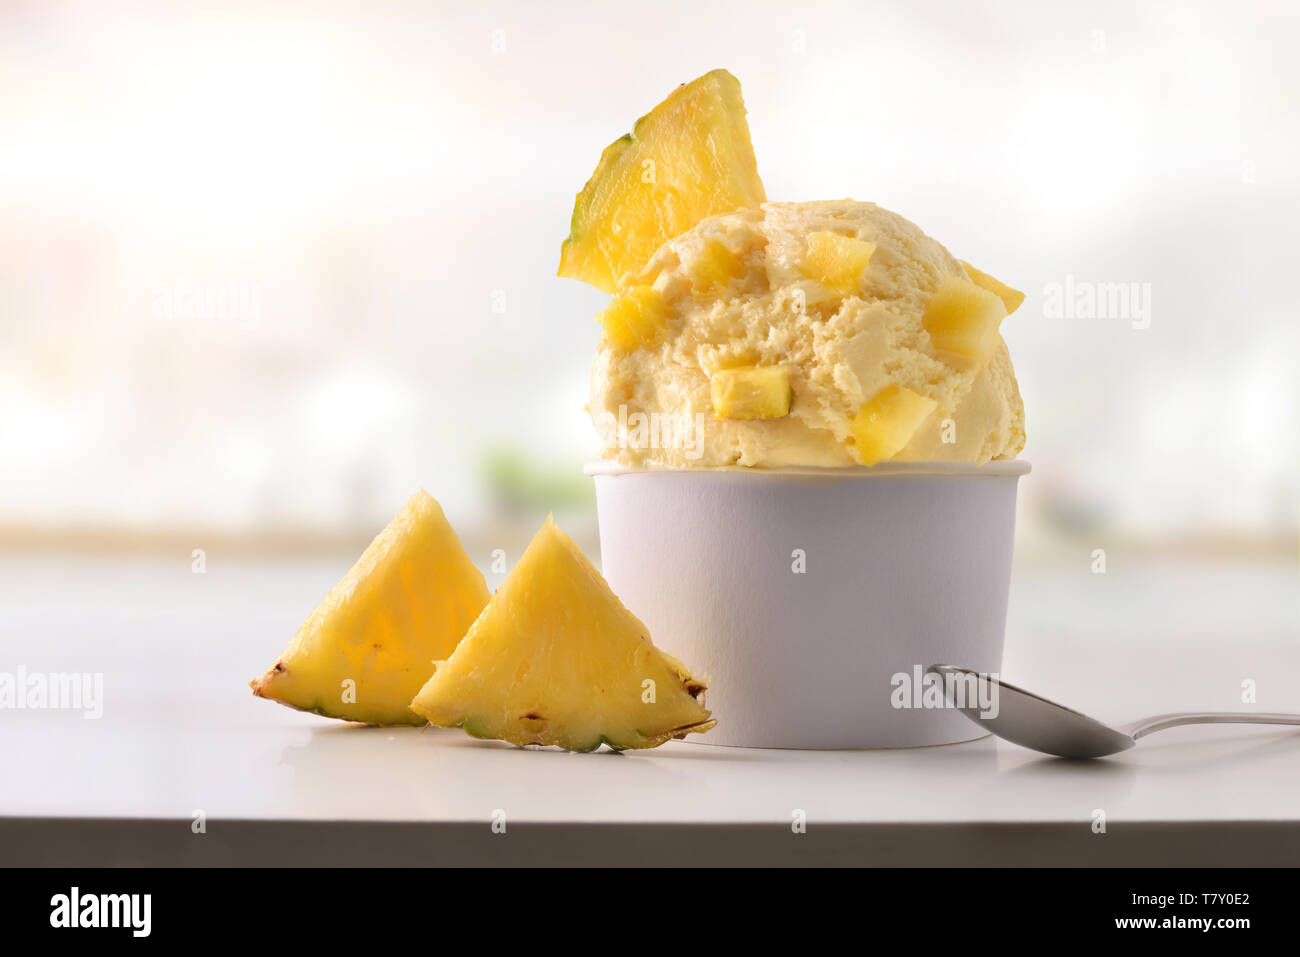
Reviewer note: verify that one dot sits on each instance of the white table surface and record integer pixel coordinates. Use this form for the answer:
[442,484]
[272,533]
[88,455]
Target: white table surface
[181,733]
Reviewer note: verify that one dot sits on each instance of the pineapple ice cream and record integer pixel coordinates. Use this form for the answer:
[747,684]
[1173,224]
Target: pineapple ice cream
[762,335]
[817,334]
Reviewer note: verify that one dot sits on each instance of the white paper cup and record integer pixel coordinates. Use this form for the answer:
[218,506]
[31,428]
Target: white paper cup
[800,594]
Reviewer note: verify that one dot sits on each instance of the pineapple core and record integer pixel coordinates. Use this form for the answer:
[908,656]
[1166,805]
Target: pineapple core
[555,659]
[837,261]
[963,319]
[887,423]
[752,392]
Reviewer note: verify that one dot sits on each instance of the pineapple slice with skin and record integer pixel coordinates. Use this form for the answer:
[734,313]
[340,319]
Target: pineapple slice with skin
[636,317]
[687,159]
[837,261]
[1011,298]
[887,422]
[370,645]
[963,319]
[555,659]
[751,392]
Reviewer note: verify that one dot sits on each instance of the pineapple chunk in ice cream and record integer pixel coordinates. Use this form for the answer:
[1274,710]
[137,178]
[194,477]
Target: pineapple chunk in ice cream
[837,261]
[963,319]
[887,423]
[852,302]
[754,392]
[1011,298]
[635,317]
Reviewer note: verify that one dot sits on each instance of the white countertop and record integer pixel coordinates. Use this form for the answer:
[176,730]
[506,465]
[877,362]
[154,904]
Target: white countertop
[180,732]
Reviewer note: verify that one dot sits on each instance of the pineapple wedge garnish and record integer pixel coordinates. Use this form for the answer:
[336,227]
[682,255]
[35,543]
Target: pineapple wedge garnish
[687,159]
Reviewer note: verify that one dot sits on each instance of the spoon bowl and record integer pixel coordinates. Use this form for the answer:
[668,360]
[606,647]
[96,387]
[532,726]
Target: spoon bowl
[1035,722]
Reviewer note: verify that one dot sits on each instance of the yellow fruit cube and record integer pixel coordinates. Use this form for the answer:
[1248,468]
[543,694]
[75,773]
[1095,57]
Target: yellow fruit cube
[887,423]
[963,319]
[1011,298]
[837,261]
[716,267]
[752,392]
[556,659]
[687,159]
[635,318]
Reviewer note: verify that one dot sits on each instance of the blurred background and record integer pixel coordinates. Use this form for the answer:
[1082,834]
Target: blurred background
[268,267]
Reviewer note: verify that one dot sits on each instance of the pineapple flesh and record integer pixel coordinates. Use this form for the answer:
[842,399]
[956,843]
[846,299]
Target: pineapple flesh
[717,269]
[751,392]
[963,319]
[837,261]
[886,423]
[1011,298]
[555,659]
[687,159]
[370,645]
[636,317]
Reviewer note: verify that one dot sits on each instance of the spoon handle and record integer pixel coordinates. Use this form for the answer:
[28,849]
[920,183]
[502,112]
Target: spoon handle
[1160,722]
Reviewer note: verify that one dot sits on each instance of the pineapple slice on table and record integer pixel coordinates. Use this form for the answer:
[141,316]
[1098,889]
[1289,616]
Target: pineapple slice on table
[1011,298]
[751,392]
[887,422]
[837,261]
[687,159]
[370,645]
[555,659]
[963,319]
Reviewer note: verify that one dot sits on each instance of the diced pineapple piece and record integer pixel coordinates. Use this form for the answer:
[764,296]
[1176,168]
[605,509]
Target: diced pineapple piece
[1011,298]
[555,659]
[370,645]
[635,318]
[887,423]
[716,267]
[963,319]
[751,392]
[687,159]
[837,261]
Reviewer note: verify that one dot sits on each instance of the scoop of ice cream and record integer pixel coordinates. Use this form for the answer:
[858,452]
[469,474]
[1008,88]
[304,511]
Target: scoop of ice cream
[796,334]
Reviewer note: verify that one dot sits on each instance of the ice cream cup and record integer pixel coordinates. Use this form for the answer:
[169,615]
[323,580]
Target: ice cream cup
[813,600]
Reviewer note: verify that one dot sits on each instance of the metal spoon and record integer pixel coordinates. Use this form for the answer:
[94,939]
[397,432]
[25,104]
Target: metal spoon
[1043,725]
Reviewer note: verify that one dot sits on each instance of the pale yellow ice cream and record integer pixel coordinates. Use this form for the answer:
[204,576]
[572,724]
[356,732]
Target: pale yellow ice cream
[778,290]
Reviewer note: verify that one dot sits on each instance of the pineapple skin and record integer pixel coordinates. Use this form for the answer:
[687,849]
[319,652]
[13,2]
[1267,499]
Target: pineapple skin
[557,660]
[406,602]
